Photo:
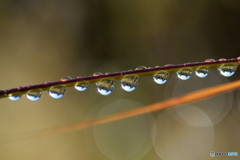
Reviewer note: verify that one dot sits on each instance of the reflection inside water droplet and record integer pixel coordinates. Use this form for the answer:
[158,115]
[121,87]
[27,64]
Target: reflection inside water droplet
[105,87]
[15,97]
[129,83]
[57,92]
[202,72]
[161,77]
[34,95]
[81,86]
[228,70]
[184,74]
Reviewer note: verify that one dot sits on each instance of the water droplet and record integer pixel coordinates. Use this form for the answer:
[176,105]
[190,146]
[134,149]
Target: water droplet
[168,65]
[141,68]
[202,72]
[222,59]
[105,87]
[81,86]
[161,77]
[65,78]
[57,92]
[228,70]
[34,95]
[97,74]
[184,74]
[129,83]
[15,97]
[209,60]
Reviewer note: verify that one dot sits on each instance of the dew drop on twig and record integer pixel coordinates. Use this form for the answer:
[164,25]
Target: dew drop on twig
[168,65]
[141,68]
[129,83]
[161,77]
[81,86]
[15,97]
[97,74]
[228,70]
[65,78]
[105,87]
[34,95]
[202,72]
[222,59]
[209,60]
[57,92]
[184,74]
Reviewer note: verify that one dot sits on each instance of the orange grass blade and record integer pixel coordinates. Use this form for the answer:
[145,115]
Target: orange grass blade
[188,98]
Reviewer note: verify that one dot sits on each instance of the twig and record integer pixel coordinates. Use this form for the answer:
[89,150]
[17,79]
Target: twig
[117,75]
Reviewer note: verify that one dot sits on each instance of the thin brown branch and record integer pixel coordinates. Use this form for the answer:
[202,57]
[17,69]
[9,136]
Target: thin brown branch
[117,75]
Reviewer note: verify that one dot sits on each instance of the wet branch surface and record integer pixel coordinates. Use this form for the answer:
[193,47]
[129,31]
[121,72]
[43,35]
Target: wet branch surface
[117,75]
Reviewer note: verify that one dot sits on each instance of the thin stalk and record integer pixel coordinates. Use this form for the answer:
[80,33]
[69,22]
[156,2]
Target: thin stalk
[116,76]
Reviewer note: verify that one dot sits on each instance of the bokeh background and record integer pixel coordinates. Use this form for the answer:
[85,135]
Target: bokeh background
[46,40]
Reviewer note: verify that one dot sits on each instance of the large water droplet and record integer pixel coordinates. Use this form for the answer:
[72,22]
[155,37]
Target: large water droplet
[105,87]
[15,97]
[34,95]
[81,86]
[202,72]
[129,83]
[141,68]
[184,74]
[57,92]
[228,70]
[161,77]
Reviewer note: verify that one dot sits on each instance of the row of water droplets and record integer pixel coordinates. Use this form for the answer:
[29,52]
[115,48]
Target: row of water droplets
[128,83]
[184,74]
[54,92]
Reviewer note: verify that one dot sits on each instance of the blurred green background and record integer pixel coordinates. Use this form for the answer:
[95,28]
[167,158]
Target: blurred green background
[46,40]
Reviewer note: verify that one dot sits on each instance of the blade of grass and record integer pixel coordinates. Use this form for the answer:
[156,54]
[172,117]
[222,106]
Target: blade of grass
[117,75]
[188,98]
